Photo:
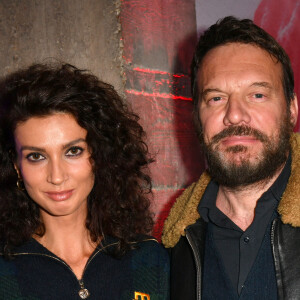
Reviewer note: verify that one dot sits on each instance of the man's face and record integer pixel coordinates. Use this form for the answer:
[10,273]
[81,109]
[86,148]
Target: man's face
[243,113]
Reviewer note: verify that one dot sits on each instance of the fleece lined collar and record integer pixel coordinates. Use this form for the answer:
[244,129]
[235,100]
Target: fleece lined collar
[184,211]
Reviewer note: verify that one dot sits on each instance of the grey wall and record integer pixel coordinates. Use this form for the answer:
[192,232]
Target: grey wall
[82,32]
[208,12]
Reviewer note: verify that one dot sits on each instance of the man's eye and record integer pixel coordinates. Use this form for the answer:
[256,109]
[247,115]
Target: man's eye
[35,157]
[215,99]
[74,151]
[258,96]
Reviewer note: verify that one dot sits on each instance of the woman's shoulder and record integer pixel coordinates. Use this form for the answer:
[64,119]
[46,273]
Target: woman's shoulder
[140,245]
[150,247]
[147,241]
[151,267]
[143,250]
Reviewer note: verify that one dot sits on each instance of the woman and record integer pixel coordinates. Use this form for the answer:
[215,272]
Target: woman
[73,192]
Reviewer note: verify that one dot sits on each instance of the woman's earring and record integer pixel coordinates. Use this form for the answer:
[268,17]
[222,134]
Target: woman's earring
[20,184]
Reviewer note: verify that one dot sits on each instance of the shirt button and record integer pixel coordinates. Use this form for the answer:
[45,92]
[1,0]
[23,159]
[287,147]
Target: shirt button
[246,239]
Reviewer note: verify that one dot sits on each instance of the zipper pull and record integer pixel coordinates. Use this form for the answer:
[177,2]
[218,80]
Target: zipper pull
[83,293]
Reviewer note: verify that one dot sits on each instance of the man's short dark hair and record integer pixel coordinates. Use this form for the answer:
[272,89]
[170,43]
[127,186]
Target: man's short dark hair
[233,30]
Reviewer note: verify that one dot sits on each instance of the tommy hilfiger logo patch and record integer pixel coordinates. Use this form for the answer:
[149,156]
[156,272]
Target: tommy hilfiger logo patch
[141,296]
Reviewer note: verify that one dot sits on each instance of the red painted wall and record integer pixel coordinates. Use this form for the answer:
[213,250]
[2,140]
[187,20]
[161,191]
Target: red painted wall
[159,38]
[281,18]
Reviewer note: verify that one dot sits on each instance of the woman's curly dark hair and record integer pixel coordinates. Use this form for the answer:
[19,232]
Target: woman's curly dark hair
[118,204]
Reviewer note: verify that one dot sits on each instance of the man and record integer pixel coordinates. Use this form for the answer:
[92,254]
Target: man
[235,234]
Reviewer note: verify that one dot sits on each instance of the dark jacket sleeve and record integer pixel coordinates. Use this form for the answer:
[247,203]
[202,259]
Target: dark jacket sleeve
[151,266]
[182,272]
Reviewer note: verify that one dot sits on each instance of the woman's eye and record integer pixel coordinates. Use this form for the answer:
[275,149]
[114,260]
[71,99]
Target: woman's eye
[35,157]
[74,151]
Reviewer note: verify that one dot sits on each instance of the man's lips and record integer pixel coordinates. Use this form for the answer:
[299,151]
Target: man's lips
[238,140]
[60,196]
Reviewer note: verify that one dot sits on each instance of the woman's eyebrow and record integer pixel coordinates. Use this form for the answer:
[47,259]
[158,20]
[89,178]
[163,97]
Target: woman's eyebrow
[70,144]
[31,148]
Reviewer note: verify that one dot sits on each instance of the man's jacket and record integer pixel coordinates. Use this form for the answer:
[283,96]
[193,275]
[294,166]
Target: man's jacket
[184,233]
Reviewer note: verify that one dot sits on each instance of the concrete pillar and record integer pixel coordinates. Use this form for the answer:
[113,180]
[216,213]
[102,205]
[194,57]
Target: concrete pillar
[83,33]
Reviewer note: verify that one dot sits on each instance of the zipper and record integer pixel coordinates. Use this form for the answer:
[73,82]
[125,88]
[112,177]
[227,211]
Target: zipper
[272,234]
[83,292]
[276,260]
[198,263]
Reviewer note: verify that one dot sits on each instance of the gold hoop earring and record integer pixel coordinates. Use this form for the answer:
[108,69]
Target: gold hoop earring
[20,184]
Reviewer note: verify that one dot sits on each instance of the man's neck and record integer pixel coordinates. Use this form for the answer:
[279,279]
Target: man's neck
[238,204]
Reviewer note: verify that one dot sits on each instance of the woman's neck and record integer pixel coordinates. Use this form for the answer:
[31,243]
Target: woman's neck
[69,239]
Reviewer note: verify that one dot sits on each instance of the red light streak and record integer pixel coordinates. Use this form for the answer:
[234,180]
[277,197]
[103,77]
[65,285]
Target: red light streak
[179,75]
[158,95]
[158,72]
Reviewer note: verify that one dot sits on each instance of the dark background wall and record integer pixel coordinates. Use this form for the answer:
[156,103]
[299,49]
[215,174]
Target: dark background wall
[84,33]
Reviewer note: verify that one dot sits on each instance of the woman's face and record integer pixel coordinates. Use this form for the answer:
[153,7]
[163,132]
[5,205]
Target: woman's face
[54,163]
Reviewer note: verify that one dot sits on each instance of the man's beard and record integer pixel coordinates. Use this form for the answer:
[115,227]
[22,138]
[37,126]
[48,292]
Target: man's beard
[232,174]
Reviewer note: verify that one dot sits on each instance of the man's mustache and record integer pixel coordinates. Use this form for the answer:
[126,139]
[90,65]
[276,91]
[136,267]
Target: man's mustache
[239,131]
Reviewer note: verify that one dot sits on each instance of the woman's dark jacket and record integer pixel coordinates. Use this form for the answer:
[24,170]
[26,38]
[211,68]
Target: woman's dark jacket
[184,233]
[36,273]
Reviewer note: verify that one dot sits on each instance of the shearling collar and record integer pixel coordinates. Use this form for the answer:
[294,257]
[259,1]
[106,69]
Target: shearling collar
[184,212]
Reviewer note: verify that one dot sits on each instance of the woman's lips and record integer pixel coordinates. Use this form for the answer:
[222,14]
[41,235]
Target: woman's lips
[60,196]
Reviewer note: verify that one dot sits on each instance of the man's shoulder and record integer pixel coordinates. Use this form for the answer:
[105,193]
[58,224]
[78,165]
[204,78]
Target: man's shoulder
[184,211]
[289,206]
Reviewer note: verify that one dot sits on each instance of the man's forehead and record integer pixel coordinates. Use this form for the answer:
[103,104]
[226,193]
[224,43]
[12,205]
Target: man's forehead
[237,58]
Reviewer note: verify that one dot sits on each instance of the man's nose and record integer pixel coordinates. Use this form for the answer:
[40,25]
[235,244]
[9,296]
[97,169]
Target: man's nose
[236,112]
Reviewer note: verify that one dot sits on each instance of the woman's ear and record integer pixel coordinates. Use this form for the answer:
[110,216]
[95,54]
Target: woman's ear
[17,170]
[20,183]
[14,160]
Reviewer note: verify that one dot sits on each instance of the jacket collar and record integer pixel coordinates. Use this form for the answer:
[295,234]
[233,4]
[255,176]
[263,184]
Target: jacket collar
[34,247]
[184,212]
